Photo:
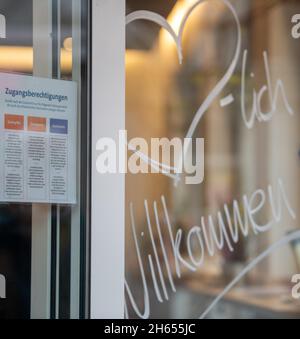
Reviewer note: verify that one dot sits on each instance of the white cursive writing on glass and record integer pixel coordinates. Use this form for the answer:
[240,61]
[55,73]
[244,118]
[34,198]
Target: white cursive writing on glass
[213,234]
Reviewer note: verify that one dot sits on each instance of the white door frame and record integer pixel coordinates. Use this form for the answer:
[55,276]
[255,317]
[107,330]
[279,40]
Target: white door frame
[108,191]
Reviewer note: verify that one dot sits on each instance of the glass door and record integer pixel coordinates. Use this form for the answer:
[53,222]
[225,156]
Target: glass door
[43,238]
[227,245]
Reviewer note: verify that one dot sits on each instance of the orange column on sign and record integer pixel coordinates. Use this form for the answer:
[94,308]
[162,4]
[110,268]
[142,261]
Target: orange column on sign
[37,124]
[14,122]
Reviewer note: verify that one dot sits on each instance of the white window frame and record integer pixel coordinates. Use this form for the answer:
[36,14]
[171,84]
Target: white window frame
[108,191]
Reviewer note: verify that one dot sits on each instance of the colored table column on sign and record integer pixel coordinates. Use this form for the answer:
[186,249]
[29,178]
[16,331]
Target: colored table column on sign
[37,168]
[13,155]
[14,122]
[58,145]
[36,124]
[58,126]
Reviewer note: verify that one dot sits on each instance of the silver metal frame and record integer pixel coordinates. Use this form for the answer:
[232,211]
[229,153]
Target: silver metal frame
[41,214]
[76,210]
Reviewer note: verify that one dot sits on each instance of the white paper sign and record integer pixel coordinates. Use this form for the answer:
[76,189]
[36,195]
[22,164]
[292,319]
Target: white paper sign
[38,130]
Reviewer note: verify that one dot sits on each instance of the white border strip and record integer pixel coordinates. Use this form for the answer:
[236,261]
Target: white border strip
[108,191]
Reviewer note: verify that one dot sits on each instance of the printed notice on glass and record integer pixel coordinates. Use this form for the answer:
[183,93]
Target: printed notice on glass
[38,132]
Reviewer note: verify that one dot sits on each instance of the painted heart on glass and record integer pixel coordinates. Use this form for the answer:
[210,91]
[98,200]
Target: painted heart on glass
[162,22]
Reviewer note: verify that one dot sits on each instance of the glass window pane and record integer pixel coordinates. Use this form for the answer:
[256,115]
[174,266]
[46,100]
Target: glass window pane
[242,97]
[41,244]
